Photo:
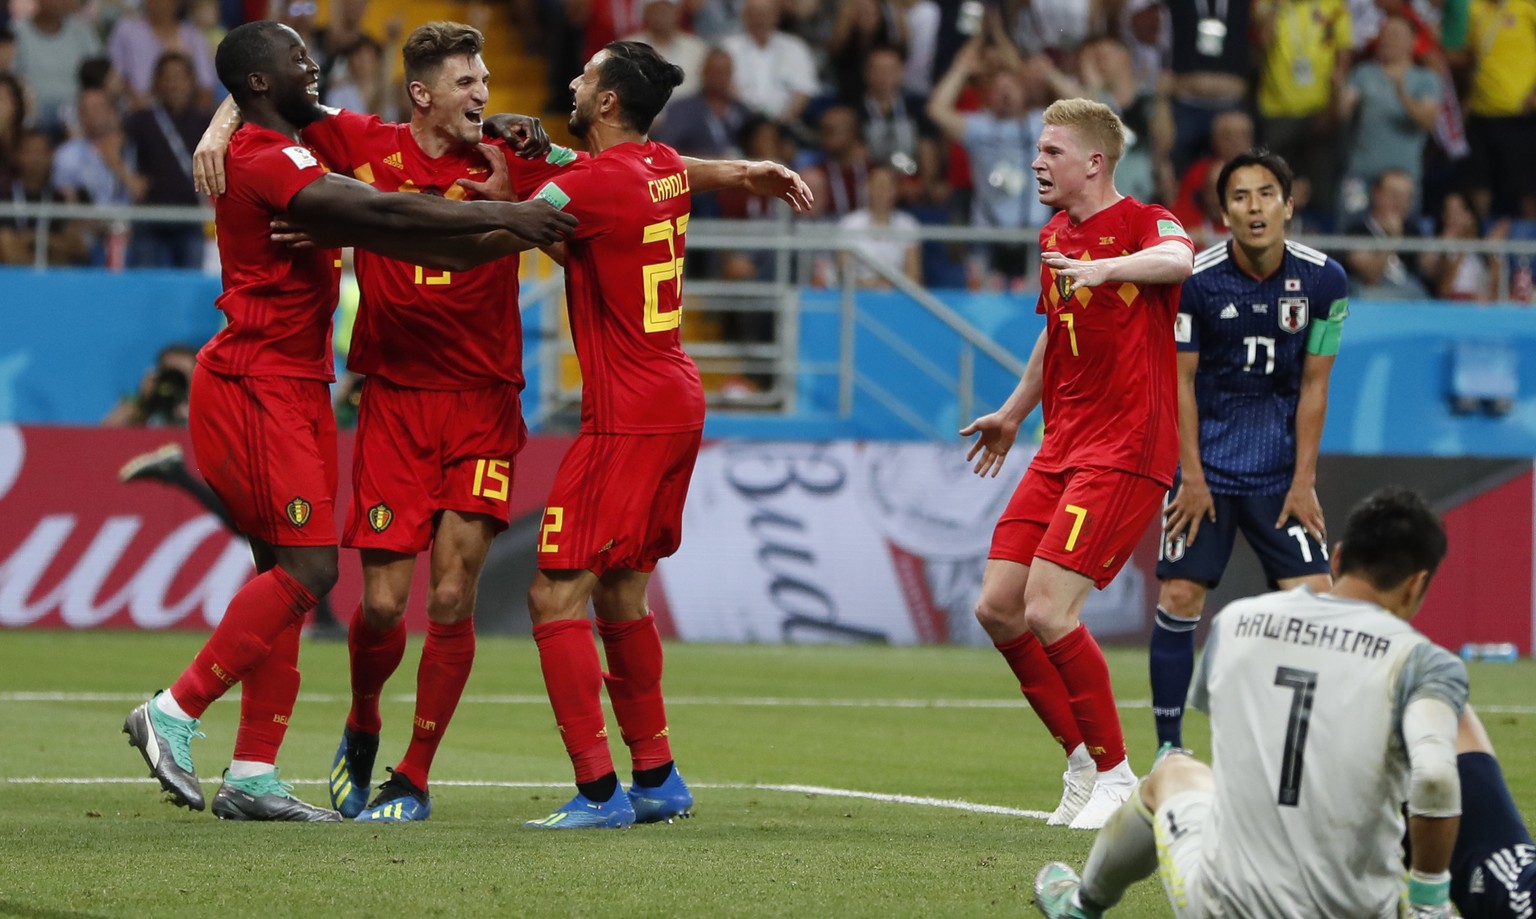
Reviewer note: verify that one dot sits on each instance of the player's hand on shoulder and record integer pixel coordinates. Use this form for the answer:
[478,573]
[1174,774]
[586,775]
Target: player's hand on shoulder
[1078,273]
[540,222]
[208,162]
[523,133]
[997,434]
[1192,504]
[775,180]
[497,185]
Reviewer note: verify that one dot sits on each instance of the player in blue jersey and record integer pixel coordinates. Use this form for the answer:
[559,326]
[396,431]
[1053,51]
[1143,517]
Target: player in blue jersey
[1493,866]
[1257,331]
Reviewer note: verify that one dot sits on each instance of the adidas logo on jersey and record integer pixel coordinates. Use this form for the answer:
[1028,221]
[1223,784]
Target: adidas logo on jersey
[1230,312]
[395,160]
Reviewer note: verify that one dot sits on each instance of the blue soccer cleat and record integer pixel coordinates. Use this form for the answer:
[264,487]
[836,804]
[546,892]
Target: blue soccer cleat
[662,804]
[398,801]
[352,771]
[582,813]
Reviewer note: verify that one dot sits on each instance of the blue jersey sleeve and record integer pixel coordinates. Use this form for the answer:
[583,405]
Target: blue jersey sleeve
[1186,323]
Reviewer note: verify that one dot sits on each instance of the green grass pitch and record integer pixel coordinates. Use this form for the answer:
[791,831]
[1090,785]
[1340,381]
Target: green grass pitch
[831,781]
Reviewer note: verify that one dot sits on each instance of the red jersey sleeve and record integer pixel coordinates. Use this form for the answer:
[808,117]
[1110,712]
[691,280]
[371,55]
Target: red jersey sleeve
[277,173]
[1154,223]
[579,191]
[340,138]
[528,176]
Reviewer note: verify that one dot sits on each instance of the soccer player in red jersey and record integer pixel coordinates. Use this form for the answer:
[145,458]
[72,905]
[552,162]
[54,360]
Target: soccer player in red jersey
[1104,368]
[617,503]
[261,421]
[440,420]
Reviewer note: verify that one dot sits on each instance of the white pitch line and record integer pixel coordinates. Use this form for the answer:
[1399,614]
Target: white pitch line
[719,701]
[817,790]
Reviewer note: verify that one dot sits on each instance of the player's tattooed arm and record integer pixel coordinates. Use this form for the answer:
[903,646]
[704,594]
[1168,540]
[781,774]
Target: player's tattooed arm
[999,429]
[1192,505]
[760,177]
[208,158]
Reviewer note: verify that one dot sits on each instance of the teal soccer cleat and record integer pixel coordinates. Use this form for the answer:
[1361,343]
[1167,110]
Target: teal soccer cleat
[662,804]
[352,771]
[582,813]
[1056,888]
[266,797]
[398,801]
[165,742]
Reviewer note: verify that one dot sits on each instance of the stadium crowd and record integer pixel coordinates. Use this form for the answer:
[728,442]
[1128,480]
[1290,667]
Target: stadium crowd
[1404,118]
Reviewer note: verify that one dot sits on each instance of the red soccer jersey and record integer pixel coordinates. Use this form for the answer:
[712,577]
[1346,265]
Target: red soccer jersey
[624,289]
[278,300]
[420,327]
[1111,379]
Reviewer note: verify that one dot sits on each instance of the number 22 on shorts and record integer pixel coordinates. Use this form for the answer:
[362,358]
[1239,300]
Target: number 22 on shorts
[554,522]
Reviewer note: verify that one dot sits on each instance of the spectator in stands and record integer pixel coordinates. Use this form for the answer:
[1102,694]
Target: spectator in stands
[706,123]
[896,130]
[341,33]
[840,181]
[1501,52]
[163,393]
[1306,47]
[50,47]
[862,27]
[775,72]
[366,80]
[1109,76]
[1377,274]
[7,48]
[98,167]
[1392,104]
[1453,275]
[1054,27]
[67,242]
[922,19]
[872,226]
[13,117]
[1197,206]
[1210,58]
[1000,142]
[163,136]
[663,30]
[138,41]
[205,15]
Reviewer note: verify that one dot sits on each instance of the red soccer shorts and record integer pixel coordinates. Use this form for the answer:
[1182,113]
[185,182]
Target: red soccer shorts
[422,451]
[267,446]
[1088,520]
[617,501]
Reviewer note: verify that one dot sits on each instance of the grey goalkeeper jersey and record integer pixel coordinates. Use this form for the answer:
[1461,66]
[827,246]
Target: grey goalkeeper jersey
[1306,694]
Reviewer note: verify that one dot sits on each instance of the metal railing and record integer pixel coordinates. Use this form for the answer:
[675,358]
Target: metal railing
[792,251]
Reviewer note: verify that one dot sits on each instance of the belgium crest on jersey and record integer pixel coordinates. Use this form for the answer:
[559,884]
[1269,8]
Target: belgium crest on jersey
[298,512]
[380,517]
[1293,314]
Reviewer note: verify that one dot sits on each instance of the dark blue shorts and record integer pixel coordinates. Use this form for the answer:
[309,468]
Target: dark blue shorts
[1493,867]
[1289,552]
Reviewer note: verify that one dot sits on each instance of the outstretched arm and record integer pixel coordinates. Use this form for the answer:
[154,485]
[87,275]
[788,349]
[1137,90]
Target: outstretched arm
[1168,262]
[999,429]
[339,207]
[760,177]
[440,253]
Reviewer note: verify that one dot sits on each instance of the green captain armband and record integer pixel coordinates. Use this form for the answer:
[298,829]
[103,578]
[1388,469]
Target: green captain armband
[555,195]
[1323,338]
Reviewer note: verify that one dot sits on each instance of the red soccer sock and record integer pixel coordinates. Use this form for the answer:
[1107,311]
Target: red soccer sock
[1086,674]
[375,655]
[266,700]
[257,616]
[446,659]
[573,677]
[633,650]
[1042,687]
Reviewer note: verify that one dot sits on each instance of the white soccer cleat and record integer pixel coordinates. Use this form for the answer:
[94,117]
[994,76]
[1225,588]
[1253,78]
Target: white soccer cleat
[1076,788]
[1112,789]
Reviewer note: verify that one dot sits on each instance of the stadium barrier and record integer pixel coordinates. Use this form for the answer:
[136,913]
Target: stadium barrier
[785,541]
